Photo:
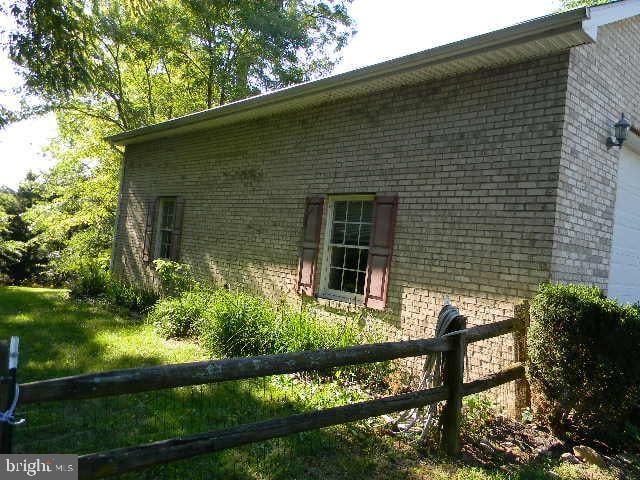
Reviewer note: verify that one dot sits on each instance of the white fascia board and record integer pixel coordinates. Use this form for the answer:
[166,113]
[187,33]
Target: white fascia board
[600,15]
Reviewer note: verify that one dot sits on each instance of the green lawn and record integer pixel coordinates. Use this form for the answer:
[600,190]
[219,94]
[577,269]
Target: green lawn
[63,337]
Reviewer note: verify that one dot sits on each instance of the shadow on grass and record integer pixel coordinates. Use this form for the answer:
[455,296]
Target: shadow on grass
[62,337]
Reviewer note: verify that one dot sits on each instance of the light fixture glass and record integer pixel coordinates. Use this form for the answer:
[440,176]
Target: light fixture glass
[620,130]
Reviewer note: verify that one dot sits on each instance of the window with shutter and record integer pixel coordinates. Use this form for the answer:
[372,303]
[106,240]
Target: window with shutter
[357,249]
[167,227]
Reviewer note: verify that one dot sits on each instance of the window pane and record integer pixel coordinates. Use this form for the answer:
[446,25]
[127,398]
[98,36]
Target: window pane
[353,212]
[337,256]
[351,237]
[364,256]
[168,209]
[349,281]
[367,211]
[338,233]
[360,285]
[340,211]
[351,258]
[365,234]
[335,279]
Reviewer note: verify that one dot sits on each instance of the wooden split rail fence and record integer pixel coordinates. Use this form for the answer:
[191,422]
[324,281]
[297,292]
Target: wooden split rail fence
[128,381]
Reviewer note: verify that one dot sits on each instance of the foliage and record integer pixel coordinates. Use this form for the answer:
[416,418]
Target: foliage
[110,66]
[175,278]
[73,217]
[135,299]
[238,324]
[60,337]
[584,364]
[176,317]
[19,258]
[571,4]
[477,412]
[90,280]
[133,63]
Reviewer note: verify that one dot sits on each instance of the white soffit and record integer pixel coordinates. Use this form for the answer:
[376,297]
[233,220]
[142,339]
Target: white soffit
[536,38]
[616,11]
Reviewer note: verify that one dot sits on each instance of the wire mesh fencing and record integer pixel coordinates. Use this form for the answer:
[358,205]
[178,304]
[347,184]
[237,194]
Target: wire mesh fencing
[86,426]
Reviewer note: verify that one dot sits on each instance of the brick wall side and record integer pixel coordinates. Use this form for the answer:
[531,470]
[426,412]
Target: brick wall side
[603,81]
[474,160]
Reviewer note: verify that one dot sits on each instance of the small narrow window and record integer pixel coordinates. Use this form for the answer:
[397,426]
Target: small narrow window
[166,225]
[347,247]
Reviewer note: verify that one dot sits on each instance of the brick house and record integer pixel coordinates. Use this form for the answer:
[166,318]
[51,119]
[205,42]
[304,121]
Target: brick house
[476,170]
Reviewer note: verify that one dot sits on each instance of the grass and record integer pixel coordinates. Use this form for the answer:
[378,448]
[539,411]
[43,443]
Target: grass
[63,337]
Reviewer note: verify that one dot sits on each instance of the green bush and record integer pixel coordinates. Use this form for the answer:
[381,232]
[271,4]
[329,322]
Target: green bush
[176,317]
[123,294]
[584,360]
[477,413]
[174,277]
[89,280]
[238,324]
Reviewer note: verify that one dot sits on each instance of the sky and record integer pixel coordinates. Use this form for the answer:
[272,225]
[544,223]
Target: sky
[385,30]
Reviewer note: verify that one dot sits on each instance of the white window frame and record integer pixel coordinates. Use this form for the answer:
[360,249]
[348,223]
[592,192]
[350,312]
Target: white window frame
[324,290]
[157,248]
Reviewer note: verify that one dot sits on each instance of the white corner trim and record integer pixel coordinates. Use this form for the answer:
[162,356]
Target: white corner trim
[600,15]
[632,142]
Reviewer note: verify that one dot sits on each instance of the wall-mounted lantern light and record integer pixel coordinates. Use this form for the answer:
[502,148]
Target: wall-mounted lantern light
[621,130]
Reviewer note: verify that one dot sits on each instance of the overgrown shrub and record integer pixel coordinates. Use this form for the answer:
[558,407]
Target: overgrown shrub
[584,360]
[176,317]
[92,280]
[123,294]
[238,324]
[174,277]
[89,280]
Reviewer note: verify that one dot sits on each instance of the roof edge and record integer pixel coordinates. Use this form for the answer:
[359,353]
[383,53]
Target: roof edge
[576,18]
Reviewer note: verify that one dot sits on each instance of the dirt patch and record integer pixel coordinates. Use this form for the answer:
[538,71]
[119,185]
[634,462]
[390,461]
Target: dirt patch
[505,444]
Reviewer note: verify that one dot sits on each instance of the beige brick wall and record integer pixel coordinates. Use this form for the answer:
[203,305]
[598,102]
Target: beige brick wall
[474,160]
[603,82]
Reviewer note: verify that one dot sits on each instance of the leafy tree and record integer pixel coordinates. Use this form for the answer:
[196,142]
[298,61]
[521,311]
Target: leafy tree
[10,249]
[107,60]
[74,217]
[20,259]
[109,66]
[571,4]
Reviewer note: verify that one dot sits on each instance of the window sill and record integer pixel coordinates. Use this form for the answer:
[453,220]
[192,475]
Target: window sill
[339,301]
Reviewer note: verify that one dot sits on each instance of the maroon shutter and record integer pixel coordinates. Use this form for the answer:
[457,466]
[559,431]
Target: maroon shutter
[176,233]
[310,242]
[381,248]
[152,208]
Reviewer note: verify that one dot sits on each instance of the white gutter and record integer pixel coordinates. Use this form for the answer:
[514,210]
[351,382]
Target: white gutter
[583,21]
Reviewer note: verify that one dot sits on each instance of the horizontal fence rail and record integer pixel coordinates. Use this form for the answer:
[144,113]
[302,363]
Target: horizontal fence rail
[118,461]
[123,460]
[135,380]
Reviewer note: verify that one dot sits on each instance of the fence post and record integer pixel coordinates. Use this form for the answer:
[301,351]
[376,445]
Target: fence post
[453,378]
[5,396]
